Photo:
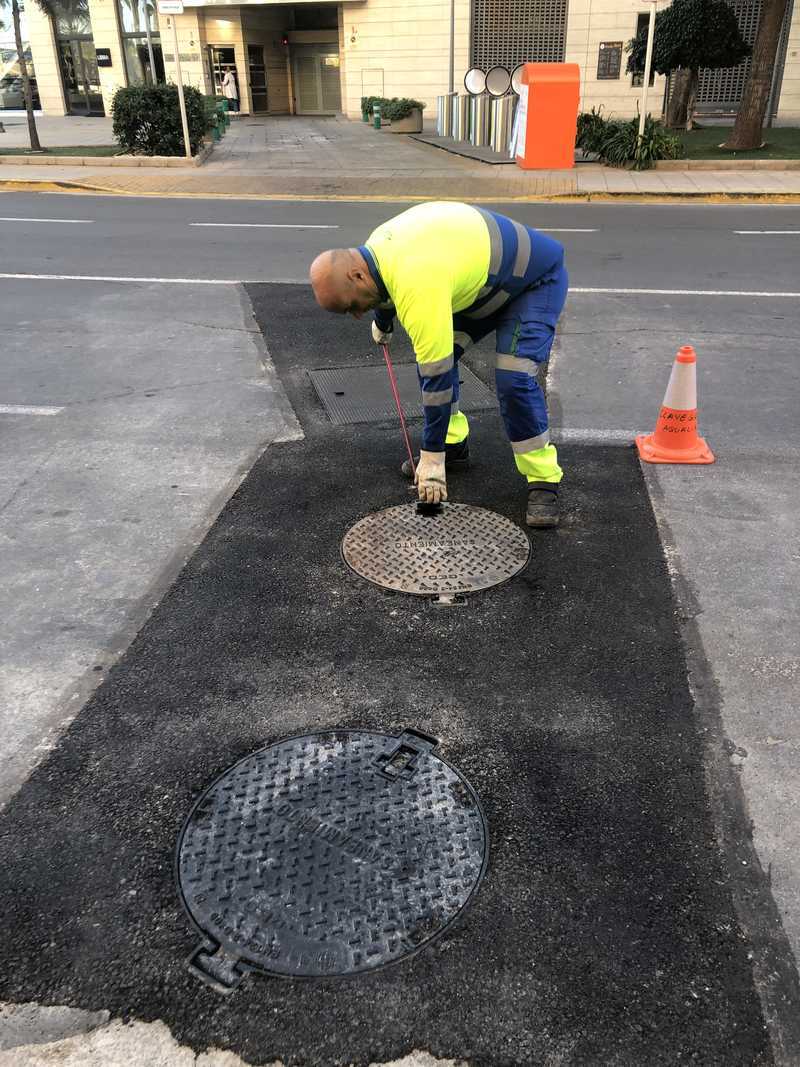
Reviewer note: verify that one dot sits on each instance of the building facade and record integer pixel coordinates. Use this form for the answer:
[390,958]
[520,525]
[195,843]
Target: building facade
[319,58]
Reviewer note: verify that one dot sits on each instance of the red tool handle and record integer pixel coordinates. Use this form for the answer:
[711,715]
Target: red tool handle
[398,404]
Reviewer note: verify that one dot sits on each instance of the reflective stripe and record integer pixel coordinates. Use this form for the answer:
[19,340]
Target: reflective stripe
[437,367]
[531,444]
[516,363]
[432,400]
[463,340]
[500,298]
[496,241]
[523,250]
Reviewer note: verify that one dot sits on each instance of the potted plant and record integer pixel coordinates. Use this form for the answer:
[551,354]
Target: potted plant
[405,115]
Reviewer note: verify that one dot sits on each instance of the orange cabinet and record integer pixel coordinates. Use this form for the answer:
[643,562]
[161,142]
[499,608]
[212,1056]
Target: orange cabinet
[547,116]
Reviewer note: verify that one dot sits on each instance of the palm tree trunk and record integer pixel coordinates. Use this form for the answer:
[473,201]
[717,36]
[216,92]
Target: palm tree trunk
[33,133]
[747,129]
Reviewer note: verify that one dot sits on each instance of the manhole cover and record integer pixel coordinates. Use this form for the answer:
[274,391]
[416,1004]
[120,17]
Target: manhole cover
[330,854]
[459,550]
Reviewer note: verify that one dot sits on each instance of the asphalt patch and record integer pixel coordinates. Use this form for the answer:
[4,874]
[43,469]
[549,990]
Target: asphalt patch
[604,930]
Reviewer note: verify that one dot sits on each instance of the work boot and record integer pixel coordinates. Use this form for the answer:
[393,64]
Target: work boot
[542,504]
[456,458]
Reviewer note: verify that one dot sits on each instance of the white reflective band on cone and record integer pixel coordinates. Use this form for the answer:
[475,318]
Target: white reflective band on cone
[681,394]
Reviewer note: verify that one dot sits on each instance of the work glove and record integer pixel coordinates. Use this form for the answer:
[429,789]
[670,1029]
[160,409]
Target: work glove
[379,336]
[430,478]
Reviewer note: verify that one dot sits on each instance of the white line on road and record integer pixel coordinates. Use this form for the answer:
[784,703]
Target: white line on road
[680,292]
[270,225]
[112,278]
[73,222]
[23,409]
[575,291]
[562,434]
[548,229]
[794,233]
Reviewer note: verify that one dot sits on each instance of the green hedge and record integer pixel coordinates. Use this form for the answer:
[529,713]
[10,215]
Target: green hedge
[397,109]
[147,119]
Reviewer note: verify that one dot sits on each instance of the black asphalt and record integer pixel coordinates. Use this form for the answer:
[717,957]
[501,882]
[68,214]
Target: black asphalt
[604,931]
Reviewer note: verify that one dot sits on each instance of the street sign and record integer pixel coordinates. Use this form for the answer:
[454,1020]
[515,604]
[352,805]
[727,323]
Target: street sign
[170,7]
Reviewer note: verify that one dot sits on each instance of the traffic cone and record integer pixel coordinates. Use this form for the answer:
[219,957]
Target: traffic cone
[675,438]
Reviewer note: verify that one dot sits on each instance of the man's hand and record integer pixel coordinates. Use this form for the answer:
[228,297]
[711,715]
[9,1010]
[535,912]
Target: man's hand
[430,479]
[378,335]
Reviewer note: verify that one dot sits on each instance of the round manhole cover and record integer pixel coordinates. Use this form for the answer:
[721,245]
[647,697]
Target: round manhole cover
[460,549]
[330,854]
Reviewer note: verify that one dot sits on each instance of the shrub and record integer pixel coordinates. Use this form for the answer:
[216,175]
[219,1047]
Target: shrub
[147,119]
[617,142]
[591,130]
[400,109]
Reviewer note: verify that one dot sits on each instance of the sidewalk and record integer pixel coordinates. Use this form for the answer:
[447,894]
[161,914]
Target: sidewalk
[336,158]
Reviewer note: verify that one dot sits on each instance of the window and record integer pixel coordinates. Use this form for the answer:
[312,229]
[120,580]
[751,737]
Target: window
[12,97]
[642,22]
[141,42]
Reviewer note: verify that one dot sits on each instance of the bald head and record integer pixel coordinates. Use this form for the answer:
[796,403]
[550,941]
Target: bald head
[342,282]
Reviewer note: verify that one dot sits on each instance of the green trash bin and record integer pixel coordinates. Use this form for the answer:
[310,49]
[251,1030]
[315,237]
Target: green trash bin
[376,116]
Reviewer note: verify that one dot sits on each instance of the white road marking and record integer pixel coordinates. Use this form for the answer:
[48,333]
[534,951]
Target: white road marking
[23,409]
[794,233]
[73,222]
[270,225]
[577,290]
[548,229]
[563,434]
[679,292]
[112,278]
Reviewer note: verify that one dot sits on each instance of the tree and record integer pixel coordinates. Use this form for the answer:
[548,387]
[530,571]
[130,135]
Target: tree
[33,133]
[749,124]
[689,34]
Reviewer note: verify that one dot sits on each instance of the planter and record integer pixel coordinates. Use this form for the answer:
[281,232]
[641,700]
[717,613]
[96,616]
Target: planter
[410,124]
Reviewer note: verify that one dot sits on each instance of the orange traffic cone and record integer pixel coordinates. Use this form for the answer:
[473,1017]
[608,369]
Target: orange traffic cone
[675,438]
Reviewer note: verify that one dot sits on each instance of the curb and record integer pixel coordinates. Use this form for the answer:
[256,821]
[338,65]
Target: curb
[42,185]
[53,160]
[727,164]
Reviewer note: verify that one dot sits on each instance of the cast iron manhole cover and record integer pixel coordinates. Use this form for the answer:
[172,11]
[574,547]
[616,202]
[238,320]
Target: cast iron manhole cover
[459,550]
[329,854]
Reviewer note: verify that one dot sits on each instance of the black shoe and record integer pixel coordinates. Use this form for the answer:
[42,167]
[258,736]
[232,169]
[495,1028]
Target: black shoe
[456,458]
[542,504]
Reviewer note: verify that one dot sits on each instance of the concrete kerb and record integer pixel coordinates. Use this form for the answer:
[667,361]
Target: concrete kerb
[54,160]
[44,185]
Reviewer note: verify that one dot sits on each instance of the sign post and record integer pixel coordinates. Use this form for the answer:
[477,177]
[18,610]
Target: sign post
[651,29]
[173,8]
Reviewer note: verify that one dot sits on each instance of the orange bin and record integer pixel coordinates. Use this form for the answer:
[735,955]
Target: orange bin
[547,116]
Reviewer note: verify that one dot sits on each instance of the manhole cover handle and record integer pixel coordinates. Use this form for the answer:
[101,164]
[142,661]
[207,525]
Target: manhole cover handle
[401,761]
[217,968]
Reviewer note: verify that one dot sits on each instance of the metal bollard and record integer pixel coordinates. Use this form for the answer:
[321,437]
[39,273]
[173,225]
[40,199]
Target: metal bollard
[376,116]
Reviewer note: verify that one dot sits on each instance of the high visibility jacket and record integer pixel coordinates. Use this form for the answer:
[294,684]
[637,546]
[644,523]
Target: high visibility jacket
[438,259]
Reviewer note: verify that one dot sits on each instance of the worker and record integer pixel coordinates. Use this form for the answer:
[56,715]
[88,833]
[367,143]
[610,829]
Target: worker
[452,273]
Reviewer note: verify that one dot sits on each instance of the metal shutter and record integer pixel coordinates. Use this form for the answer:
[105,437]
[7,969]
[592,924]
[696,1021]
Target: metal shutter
[508,32]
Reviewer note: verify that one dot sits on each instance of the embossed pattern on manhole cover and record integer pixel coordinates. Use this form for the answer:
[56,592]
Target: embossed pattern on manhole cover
[330,854]
[460,550]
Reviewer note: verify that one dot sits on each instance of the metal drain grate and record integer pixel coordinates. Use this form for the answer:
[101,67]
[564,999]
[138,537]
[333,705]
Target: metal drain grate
[329,854]
[362,394]
[459,550]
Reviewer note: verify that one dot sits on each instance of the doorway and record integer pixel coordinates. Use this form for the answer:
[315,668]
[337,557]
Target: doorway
[81,76]
[315,71]
[257,70]
[220,60]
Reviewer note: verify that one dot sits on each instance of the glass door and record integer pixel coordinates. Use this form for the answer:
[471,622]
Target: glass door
[221,59]
[258,77]
[81,76]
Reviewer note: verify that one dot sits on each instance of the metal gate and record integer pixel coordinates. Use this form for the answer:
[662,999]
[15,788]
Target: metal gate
[721,90]
[508,32]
